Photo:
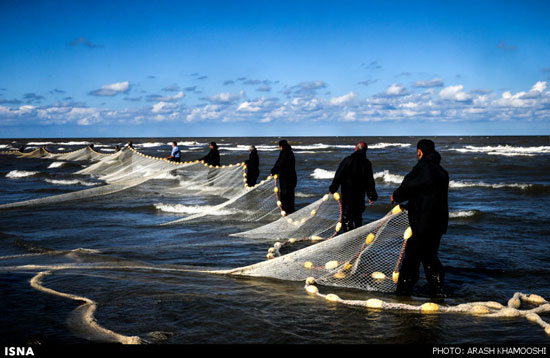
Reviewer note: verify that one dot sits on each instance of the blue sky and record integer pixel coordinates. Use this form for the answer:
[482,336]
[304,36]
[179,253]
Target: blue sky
[273,68]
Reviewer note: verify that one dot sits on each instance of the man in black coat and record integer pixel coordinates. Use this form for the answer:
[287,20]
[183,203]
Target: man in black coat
[354,175]
[213,157]
[426,190]
[252,167]
[285,168]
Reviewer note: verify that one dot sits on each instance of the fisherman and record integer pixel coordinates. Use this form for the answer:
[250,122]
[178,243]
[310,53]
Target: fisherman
[354,175]
[117,148]
[426,190]
[252,167]
[285,168]
[175,156]
[21,148]
[130,144]
[213,157]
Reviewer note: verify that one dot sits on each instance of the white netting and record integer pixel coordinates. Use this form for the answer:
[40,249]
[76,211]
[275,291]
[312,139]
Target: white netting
[366,258]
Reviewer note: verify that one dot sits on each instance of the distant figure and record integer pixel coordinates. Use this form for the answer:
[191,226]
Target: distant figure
[426,190]
[252,167]
[21,148]
[91,146]
[213,157]
[131,145]
[117,148]
[285,168]
[175,156]
[354,175]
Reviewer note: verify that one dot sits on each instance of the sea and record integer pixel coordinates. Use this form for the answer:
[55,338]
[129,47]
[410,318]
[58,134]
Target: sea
[497,244]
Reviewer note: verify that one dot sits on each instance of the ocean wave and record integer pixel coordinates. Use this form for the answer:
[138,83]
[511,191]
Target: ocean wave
[386,145]
[69,182]
[388,177]
[322,174]
[151,144]
[461,214]
[193,209]
[504,150]
[56,164]
[15,174]
[454,184]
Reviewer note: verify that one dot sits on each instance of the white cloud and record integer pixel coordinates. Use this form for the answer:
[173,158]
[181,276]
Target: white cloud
[225,98]
[396,90]
[343,99]
[112,89]
[454,93]
[436,82]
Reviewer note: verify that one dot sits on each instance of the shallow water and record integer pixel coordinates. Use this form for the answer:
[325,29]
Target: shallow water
[497,244]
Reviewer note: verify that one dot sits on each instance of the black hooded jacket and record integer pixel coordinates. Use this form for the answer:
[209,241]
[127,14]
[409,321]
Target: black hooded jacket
[354,175]
[213,157]
[426,189]
[285,167]
[253,164]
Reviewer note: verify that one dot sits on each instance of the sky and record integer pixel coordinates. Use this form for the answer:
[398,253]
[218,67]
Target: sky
[273,68]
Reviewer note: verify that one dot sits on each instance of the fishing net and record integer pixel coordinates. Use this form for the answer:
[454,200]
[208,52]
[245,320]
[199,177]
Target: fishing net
[83,154]
[366,258]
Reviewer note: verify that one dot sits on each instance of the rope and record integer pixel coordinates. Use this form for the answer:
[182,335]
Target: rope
[490,309]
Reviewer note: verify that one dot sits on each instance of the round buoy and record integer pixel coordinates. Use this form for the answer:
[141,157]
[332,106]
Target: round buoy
[370,238]
[408,233]
[374,303]
[308,264]
[332,297]
[395,277]
[339,275]
[429,307]
[378,275]
[312,289]
[396,210]
[336,196]
[331,265]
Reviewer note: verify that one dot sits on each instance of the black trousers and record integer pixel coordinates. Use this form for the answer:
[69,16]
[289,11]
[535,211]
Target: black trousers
[421,250]
[251,179]
[352,218]
[286,196]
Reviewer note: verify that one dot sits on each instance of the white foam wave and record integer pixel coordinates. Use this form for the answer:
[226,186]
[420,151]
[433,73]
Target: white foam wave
[56,164]
[322,174]
[462,184]
[303,195]
[15,174]
[388,177]
[386,145]
[461,214]
[193,209]
[504,150]
[69,182]
[4,146]
[151,145]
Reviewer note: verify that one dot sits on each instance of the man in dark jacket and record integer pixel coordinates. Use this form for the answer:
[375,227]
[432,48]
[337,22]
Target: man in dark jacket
[426,190]
[213,157]
[354,174]
[285,168]
[252,167]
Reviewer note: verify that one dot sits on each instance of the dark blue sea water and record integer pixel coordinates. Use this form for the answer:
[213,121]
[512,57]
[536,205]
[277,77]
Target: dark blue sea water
[498,243]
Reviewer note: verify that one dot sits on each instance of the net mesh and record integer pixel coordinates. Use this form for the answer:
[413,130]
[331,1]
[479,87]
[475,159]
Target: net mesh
[366,258]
